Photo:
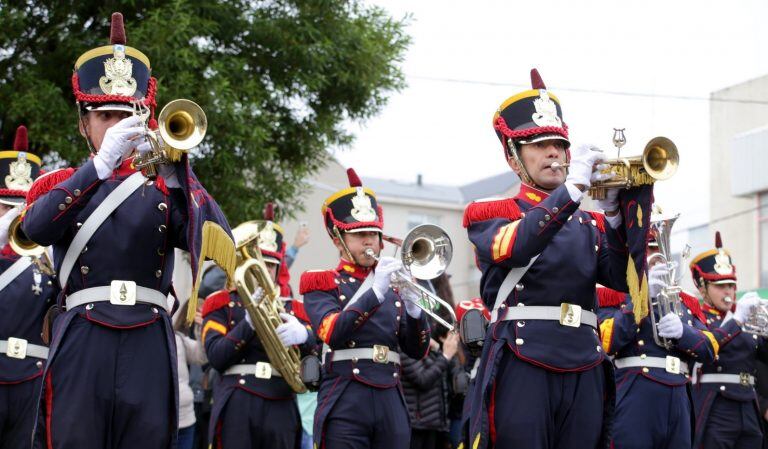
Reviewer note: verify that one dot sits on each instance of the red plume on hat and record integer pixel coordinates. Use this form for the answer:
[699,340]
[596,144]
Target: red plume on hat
[718,240]
[354,180]
[269,212]
[536,81]
[117,31]
[20,142]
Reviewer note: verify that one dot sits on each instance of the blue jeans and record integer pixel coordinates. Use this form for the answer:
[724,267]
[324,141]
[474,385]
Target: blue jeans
[306,440]
[186,437]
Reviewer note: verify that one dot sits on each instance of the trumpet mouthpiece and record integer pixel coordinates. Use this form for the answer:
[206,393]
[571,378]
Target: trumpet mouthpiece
[557,165]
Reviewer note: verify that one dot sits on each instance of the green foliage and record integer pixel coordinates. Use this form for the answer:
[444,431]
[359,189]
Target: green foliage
[277,79]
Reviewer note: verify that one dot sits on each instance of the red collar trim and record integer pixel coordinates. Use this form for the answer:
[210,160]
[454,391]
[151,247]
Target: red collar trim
[712,311]
[126,168]
[353,269]
[531,195]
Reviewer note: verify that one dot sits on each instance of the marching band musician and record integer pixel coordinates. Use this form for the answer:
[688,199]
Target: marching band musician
[727,412]
[113,232]
[653,406]
[363,323]
[26,293]
[253,406]
[543,381]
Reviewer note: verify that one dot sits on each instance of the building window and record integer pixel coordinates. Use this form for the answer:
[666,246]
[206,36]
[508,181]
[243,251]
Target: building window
[418,218]
[762,224]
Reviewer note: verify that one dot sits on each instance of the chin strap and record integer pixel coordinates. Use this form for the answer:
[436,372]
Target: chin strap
[347,252]
[80,116]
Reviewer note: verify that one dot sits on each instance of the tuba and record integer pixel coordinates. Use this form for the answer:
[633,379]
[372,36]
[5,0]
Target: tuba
[181,126]
[250,274]
[23,246]
[426,252]
[669,298]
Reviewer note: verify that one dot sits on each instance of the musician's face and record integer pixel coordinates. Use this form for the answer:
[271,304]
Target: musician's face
[716,294]
[96,123]
[358,242]
[538,158]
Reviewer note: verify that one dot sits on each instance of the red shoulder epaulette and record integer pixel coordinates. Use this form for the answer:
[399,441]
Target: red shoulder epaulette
[46,182]
[693,304]
[317,280]
[486,210]
[608,297]
[599,220]
[215,301]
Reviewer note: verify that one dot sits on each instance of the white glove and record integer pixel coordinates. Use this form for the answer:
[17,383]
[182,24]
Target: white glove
[745,306]
[5,223]
[119,141]
[411,299]
[256,297]
[670,326]
[611,201]
[582,169]
[382,276]
[656,282]
[291,332]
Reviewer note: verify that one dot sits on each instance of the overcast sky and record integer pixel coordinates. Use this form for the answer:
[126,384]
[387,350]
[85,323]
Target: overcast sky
[586,52]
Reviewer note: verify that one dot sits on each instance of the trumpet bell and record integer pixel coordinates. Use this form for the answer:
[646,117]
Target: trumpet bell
[182,124]
[661,158]
[19,242]
[427,251]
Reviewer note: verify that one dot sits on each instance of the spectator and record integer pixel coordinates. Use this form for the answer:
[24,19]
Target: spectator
[301,239]
[188,350]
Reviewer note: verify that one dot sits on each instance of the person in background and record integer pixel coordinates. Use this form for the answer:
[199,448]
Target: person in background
[188,351]
[301,239]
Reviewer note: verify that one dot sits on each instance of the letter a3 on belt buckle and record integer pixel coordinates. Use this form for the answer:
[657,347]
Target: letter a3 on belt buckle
[570,315]
[672,365]
[380,354]
[122,293]
[17,348]
[263,370]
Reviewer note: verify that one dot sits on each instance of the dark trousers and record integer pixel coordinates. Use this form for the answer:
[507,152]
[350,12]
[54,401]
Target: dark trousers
[108,388]
[367,418]
[252,422]
[732,425]
[652,415]
[423,439]
[17,413]
[534,408]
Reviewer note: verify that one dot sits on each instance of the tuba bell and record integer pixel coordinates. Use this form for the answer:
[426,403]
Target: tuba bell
[250,274]
[23,246]
[757,319]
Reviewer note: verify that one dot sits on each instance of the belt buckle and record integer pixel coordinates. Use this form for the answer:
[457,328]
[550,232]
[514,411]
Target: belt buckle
[17,348]
[380,354]
[744,379]
[122,293]
[263,370]
[672,365]
[570,315]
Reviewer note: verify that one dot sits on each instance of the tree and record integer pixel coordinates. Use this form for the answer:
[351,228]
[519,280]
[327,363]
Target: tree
[277,79]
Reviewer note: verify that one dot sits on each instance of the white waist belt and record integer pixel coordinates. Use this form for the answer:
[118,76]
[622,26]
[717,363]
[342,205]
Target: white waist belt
[567,314]
[262,370]
[18,348]
[131,295]
[378,353]
[742,379]
[671,364]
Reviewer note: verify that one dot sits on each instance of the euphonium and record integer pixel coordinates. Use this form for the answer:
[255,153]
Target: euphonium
[757,320]
[181,126]
[668,299]
[250,274]
[426,252]
[23,246]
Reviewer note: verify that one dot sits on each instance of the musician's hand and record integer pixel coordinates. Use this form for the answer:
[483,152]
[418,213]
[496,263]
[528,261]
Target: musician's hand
[451,345]
[656,279]
[670,326]
[119,141]
[610,204]
[382,276]
[291,332]
[745,306]
[584,161]
[411,297]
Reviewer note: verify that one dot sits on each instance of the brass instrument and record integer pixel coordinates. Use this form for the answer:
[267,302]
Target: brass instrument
[669,299]
[250,274]
[181,126]
[757,319]
[426,252]
[23,246]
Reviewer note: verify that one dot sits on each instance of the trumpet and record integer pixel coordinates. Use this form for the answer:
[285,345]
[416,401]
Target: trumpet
[426,252]
[659,161]
[182,125]
[23,246]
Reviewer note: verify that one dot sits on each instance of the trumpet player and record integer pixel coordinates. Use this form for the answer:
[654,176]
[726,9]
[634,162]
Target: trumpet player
[253,406]
[110,380]
[26,293]
[653,407]
[543,381]
[727,413]
[363,323]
